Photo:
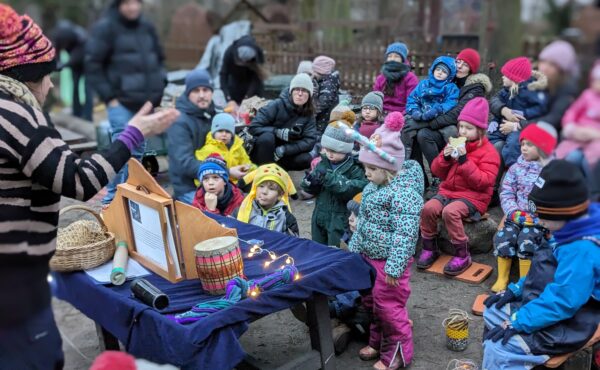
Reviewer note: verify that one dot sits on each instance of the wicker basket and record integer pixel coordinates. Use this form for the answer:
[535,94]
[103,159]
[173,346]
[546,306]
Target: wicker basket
[83,244]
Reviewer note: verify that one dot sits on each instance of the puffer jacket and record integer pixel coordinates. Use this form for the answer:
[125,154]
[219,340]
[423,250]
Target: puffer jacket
[277,218]
[186,135]
[396,102]
[388,221]
[124,61]
[532,98]
[517,185]
[476,85]
[283,113]
[473,179]
[326,97]
[431,93]
[235,155]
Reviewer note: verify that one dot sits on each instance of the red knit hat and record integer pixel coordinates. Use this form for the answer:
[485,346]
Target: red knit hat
[542,135]
[471,57]
[111,360]
[517,69]
[476,112]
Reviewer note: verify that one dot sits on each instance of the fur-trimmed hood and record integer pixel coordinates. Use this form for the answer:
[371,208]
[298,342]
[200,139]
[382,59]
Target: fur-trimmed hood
[480,78]
[538,81]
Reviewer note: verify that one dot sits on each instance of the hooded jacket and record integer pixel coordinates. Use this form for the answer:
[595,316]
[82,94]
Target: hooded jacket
[234,155]
[532,98]
[124,60]
[473,179]
[239,81]
[326,97]
[388,220]
[402,89]
[283,113]
[431,93]
[184,137]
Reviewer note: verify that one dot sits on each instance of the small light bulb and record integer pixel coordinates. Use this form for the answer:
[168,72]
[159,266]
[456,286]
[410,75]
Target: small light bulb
[250,254]
[282,267]
[267,264]
[288,260]
[297,276]
[253,293]
[273,256]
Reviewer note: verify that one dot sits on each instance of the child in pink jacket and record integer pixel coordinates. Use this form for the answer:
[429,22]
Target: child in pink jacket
[581,127]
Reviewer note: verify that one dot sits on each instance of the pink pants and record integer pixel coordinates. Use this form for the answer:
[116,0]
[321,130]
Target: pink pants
[452,215]
[390,332]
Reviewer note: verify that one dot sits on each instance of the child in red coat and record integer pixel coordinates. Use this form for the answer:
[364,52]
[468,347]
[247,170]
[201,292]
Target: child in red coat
[216,194]
[468,173]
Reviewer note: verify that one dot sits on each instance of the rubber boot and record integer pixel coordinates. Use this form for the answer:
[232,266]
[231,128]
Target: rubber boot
[460,262]
[503,274]
[429,254]
[524,266]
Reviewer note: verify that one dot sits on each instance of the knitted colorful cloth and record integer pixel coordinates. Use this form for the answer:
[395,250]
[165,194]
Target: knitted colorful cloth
[21,40]
[236,290]
[524,218]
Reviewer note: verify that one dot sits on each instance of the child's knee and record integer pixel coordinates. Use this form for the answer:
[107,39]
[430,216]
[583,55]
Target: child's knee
[451,214]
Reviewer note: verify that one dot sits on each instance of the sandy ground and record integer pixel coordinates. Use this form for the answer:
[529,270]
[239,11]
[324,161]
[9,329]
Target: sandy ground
[432,296]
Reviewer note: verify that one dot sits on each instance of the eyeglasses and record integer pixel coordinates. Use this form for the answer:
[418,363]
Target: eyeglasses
[368,107]
[460,63]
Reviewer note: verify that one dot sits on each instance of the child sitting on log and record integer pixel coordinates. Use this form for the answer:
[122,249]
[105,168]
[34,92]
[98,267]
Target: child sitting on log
[467,167]
[520,233]
[555,309]
[216,193]
[267,205]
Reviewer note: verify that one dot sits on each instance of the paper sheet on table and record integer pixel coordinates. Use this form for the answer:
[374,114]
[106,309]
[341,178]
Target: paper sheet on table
[102,273]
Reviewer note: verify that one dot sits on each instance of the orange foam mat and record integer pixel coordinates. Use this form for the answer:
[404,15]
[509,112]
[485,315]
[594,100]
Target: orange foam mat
[475,274]
[478,306]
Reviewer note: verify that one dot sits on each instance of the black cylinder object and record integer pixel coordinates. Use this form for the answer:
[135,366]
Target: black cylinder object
[149,294]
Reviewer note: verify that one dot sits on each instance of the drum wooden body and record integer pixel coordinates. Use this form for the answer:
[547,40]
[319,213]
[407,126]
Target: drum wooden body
[218,260]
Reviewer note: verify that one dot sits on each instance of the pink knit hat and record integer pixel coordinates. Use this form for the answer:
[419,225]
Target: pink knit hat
[323,65]
[517,69]
[476,112]
[563,55]
[386,138]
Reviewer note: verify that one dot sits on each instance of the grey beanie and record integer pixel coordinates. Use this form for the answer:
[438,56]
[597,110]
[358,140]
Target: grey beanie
[246,53]
[374,98]
[335,138]
[353,206]
[303,81]
[223,121]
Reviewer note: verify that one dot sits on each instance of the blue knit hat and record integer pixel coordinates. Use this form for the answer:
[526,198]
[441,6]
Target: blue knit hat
[196,78]
[214,164]
[223,121]
[398,48]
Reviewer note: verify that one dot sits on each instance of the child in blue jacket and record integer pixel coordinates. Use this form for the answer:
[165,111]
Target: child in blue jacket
[555,309]
[523,98]
[433,96]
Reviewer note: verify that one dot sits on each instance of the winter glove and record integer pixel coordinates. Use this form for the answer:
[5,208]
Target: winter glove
[500,299]
[431,114]
[295,133]
[279,153]
[417,115]
[499,332]
[282,133]
[493,127]
[523,218]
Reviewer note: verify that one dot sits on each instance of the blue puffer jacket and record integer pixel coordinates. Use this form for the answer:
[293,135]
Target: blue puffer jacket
[431,93]
[576,280]
[532,98]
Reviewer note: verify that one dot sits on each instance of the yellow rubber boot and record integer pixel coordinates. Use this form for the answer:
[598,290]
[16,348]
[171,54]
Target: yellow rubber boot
[503,274]
[524,266]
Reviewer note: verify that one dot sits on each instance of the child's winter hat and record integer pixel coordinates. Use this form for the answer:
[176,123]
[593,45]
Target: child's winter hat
[353,204]
[335,138]
[214,164]
[197,78]
[323,65]
[563,55]
[560,192]
[375,99]
[302,81]
[517,69]
[542,135]
[476,112]
[223,121]
[342,112]
[443,67]
[246,53]
[387,139]
[305,66]
[109,360]
[267,172]
[471,57]
[398,48]
[595,73]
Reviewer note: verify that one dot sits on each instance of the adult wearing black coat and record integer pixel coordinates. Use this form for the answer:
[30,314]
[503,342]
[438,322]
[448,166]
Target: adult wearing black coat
[285,129]
[241,72]
[124,65]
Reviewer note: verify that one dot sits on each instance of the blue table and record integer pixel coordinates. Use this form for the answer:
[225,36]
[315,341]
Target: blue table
[213,343]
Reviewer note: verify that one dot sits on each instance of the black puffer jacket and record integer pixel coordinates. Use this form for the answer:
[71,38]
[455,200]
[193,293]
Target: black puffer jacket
[283,113]
[239,81]
[124,60]
[476,85]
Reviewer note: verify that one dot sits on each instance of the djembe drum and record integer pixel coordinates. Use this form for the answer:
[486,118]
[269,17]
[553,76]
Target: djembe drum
[218,260]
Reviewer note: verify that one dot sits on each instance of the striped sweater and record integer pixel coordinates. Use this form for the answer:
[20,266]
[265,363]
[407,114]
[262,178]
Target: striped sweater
[36,169]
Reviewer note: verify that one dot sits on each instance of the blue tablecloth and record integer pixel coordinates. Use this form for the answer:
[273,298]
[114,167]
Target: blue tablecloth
[212,343]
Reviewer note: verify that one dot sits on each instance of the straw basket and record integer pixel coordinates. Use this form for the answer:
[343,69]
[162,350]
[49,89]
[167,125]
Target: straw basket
[83,244]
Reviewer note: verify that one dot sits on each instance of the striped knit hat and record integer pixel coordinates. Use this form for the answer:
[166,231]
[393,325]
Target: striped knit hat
[25,53]
[560,192]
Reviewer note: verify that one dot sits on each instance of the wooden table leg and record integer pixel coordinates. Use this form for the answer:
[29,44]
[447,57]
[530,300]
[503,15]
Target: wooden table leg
[106,340]
[319,324]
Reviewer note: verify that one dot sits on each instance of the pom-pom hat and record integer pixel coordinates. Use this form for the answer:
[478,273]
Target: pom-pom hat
[387,139]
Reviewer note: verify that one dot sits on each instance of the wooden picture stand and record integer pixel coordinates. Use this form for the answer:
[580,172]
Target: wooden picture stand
[475,274]
[189,225]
